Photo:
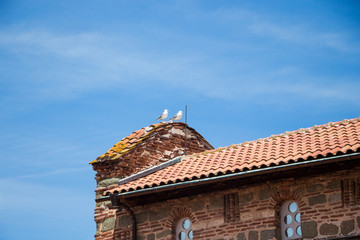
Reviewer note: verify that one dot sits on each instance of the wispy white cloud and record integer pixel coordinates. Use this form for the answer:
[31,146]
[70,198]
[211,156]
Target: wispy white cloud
[101,62]
[38,152]
[23,201]
[63,171]
[285,71]
[98,61]
[286,29]
[306,35]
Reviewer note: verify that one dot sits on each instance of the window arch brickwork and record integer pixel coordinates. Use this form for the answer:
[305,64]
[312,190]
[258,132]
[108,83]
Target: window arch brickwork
[278,199]
[177,217]
[184,230]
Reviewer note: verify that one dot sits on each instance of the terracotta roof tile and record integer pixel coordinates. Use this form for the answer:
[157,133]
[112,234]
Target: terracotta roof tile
[285,148]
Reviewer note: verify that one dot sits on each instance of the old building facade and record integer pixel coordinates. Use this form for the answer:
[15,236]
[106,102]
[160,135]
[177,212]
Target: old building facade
[298,185]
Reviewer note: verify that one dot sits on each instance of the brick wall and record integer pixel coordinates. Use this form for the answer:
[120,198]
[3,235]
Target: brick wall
[328,204]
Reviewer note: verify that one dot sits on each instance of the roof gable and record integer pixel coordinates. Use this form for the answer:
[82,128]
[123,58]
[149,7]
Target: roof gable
[133,140]
[148,147]
[284,149]
[127,143]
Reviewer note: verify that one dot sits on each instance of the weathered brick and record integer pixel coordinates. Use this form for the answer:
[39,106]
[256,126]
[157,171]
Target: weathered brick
[217,202]
[159,214]
[318,199]
[198,205]
[164,233]
[241,236]
[97,228]
[328,229]
[309,229]
[151,236]
[267,234]
[124,221]
[253,235]
[245,198]
[164,143]
[108,182]
[347,226]
[264,194]
[333,184]
[336,197]
[142,217]
[108,224]
[300,190]
[314,188]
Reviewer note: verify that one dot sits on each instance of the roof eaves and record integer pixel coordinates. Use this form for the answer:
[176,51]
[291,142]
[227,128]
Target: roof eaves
[237,175]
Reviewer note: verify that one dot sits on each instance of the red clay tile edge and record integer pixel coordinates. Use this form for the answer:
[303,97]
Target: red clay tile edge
[289,147]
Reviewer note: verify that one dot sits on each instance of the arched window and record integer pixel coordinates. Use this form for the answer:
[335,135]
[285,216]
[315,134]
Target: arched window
[290,220]
[184,229]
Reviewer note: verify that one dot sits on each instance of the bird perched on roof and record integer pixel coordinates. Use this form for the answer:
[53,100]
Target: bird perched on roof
[177,116]
[163,115]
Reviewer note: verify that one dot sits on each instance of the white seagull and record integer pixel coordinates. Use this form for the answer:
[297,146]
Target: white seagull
[163,115]
[177,116]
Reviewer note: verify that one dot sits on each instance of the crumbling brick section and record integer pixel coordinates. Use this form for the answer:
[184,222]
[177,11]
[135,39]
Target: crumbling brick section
[123,234]
[164,142]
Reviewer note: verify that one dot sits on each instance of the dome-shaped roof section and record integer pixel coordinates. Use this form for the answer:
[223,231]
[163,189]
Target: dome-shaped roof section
[133,140]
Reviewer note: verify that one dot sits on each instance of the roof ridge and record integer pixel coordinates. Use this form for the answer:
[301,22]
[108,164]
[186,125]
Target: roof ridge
[120,148]
[302,130]
[274,136]
[131,141]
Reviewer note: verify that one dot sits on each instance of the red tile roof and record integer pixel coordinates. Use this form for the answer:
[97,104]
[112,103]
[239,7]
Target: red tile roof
[286,148]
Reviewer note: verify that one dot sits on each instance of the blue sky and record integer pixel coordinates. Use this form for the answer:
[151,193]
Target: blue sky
[77,76]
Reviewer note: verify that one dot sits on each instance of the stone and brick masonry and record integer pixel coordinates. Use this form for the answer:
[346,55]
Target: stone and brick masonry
[324,214]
